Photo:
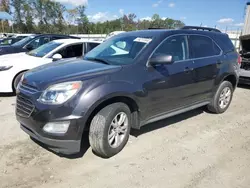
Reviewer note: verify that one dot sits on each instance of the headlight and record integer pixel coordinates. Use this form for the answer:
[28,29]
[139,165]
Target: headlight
[60,93]
[3,68]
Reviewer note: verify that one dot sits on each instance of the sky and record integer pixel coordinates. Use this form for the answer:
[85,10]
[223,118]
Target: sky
[210,13]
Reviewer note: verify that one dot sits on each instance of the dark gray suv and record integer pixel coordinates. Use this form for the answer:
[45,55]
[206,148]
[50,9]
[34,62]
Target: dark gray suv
[130,80]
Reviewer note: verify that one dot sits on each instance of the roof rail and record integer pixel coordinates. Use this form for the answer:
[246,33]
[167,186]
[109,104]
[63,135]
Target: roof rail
[157,28]
[201,28]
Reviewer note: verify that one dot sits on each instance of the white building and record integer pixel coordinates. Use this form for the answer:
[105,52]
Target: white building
[246,27]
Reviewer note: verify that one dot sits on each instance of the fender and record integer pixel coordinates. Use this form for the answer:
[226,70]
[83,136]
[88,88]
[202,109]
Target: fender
[225,71]
[89,101]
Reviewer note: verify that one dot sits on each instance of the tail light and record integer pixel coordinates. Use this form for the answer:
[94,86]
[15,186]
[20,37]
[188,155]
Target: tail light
[239,59]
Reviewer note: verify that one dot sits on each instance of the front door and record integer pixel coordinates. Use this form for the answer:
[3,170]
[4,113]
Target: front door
[169,86]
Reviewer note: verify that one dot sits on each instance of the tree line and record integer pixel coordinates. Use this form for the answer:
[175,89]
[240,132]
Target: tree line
[48,16]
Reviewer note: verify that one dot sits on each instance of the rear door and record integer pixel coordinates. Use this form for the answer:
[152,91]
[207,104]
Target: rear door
[207,57]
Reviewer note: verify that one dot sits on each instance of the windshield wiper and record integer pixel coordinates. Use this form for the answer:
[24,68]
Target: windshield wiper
[99,60]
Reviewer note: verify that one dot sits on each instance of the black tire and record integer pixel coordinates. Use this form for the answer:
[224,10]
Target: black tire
[214,105]
[100,127]
[16,81]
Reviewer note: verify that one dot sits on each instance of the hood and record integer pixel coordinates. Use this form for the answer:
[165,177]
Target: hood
[11,58]
[10,49]
[22,60]
[66,70]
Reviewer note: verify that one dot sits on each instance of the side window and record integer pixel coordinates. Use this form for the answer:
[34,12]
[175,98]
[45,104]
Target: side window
[217,50]
[38,42]
[71,51]
[175,46]
[202,46]
[92,45]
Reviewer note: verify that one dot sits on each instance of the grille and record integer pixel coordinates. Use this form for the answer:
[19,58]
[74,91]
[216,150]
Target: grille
[28,88]
[24,107]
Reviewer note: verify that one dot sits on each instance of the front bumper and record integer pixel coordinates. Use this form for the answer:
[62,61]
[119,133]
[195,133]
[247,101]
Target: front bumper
[59,146]
[33,116]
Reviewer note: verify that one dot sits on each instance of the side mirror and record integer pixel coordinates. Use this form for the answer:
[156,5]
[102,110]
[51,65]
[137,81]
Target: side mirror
[29,47]
[161,59]
[56,57]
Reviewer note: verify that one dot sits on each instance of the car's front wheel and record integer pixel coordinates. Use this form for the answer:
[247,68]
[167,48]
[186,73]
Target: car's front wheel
[16,81]
[109,130]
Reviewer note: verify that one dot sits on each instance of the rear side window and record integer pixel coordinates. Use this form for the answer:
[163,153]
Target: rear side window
[216,49]
[226,43]
[202,46]
[91,46]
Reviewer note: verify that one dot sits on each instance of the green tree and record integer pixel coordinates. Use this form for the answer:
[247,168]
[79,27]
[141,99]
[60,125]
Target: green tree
[18,14]
[28,14]
[5,7]
[83,20]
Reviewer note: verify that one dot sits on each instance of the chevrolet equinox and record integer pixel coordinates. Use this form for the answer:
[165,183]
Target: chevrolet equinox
[128,81]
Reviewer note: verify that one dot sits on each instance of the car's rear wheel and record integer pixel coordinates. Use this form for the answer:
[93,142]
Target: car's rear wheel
[109,130]
[222,99]
[16,81]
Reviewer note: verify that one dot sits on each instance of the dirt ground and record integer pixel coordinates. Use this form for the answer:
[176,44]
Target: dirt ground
[192,150]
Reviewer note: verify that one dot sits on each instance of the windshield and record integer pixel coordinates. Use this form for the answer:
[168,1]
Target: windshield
[44,49]
[5,41]
[119,50]
[23,41]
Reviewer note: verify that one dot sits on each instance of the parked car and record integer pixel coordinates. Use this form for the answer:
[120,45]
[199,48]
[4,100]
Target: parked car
[245,55]
[13,66]
[164,73]
[11,40]
[31,42]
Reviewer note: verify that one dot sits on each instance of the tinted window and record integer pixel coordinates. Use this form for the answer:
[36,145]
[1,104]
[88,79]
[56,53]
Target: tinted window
[39,42]
[202,46]
[71,51]
[226,43]
[44,49]
[92,46]
[217,50]
[175,46]
[24,41]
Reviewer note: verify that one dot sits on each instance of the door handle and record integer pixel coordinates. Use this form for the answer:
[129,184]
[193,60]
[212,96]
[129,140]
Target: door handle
[219,62]
[187,69]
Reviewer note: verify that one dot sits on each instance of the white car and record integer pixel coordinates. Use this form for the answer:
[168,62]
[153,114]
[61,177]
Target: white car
[13,66]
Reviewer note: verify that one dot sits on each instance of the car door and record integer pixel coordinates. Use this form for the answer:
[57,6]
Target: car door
[207,58]
[170,85]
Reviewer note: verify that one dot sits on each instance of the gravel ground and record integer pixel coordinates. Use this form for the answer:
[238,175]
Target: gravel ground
[195,149]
